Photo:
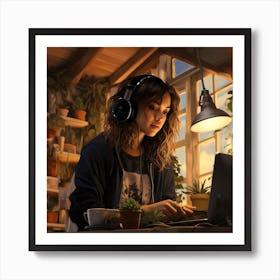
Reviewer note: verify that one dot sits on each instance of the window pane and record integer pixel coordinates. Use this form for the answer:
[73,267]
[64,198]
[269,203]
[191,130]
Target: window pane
[225,140]
[207,156]
[181,67]
[222,100]
[208,83]
[183,101]
[181,155]
[220,82]
[203,136]
[182,128]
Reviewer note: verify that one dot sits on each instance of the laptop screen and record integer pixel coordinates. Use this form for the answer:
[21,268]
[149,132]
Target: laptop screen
[220,201]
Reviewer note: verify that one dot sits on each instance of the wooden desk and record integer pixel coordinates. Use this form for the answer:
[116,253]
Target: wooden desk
[167,229]
[161,227]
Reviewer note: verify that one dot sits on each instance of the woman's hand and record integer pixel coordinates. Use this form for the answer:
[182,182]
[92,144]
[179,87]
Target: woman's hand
[172,210]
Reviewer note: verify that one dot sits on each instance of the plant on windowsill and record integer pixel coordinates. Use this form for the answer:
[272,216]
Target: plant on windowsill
[130,213]
[178,178]
[199,195]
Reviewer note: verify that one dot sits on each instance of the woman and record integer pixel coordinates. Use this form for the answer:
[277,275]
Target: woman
[131,158]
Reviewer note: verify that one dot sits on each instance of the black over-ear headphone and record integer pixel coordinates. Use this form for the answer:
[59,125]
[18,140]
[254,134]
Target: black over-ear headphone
[123,109]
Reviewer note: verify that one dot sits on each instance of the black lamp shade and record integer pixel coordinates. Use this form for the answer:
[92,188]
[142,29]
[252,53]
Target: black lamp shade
[210,118]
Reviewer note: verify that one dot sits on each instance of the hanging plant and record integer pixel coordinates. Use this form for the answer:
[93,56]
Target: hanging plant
[92,95]
[58,85]
[58,82]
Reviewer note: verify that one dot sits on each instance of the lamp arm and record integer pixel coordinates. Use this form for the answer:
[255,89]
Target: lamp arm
[200,67]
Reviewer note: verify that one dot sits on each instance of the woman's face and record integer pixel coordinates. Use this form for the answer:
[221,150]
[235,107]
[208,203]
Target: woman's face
[152,116]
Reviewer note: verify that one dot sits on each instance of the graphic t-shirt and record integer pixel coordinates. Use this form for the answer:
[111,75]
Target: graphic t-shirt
[135,182]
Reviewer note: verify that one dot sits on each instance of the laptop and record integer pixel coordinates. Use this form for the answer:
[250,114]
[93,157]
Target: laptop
[220,201]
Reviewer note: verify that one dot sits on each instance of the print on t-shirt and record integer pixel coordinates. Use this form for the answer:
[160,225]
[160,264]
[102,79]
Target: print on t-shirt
[136,186]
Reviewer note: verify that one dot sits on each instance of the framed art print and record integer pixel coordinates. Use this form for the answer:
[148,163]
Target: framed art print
[80,69]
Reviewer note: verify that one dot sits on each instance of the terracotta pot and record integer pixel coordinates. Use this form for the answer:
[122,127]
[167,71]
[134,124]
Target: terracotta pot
[80,114]
[200,200]
[52,217]
[130,219]
[51,168]
[53,132]
[62,112]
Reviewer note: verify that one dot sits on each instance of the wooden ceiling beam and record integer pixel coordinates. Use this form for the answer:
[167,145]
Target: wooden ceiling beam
[181,53]
[75,66]
[131,65]
[188,55]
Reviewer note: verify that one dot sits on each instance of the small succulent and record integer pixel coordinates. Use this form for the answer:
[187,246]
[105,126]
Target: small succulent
[152,218]
[129,204]
[196,188]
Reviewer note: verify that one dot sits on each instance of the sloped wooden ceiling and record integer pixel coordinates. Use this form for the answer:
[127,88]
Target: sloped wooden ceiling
[116,64]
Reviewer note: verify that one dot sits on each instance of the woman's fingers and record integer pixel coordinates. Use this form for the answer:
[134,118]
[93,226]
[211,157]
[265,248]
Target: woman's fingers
[171,209]
[188,208]
[172,214]
[183,209]
[176,211]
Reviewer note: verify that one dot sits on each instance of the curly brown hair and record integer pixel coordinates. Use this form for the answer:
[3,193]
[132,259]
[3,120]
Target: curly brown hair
[158,148]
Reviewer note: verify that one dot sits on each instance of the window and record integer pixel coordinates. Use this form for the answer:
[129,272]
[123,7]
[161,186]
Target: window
[196,153]
[180,140]
[180,67]
[183,101]
[182,128]
[181,155]
[207,151]
[214,142]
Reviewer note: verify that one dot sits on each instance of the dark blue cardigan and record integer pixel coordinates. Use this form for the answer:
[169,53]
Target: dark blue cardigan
[98,178]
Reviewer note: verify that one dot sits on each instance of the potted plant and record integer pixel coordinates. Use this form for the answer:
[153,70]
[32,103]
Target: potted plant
[199,195]
[55,123]
[65,172]
[156,217]
[52,209]
[178,178]
[79,108]
[130,213]
[52,160]
[62,111]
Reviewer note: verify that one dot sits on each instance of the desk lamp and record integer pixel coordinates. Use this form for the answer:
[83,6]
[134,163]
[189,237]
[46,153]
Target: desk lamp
[210,118]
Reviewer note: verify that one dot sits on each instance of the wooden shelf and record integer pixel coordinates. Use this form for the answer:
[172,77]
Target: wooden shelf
[68,157]
[54,191]
[62,157]
[56,226]
[75,122]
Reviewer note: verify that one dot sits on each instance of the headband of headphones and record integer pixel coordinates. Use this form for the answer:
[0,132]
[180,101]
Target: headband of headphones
[133,84]
[123,109]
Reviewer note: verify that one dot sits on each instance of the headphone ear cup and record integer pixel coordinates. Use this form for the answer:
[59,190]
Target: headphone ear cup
[122,110]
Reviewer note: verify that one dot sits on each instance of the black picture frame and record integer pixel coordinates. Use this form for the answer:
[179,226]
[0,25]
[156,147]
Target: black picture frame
[242,34]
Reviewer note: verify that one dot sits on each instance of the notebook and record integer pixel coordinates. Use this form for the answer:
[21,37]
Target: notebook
[220,202]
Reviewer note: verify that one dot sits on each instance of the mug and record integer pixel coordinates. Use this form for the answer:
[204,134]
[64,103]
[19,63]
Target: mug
[102,218]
